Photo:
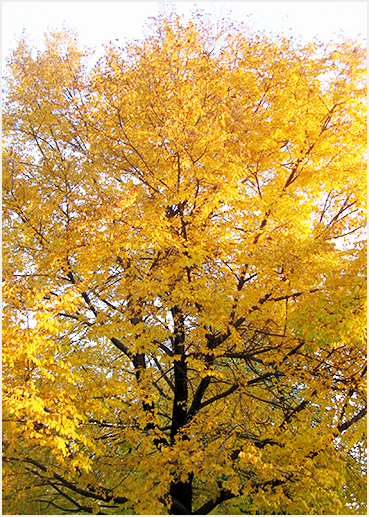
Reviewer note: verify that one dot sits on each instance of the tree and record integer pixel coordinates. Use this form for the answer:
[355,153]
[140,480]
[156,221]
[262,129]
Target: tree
[184,274]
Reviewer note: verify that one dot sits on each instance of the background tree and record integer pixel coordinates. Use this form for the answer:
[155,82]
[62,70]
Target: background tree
[184,275]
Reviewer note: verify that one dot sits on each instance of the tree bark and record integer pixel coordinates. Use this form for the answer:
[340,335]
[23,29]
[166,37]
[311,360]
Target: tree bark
[181,492]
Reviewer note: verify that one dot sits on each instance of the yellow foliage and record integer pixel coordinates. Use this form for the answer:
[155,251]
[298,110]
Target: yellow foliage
[184,274]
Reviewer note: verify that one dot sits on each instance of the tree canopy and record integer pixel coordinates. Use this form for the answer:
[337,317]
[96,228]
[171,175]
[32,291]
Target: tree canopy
[184,274]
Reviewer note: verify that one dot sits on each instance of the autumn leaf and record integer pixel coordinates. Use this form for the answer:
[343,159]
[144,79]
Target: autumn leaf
[184,274]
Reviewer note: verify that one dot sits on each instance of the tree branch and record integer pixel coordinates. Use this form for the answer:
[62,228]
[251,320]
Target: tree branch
[121,347]
[107,497]
[206,508]
[343,427]
[220,396]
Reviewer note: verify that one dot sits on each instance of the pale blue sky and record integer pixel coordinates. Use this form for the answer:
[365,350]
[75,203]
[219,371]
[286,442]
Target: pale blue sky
[99,22]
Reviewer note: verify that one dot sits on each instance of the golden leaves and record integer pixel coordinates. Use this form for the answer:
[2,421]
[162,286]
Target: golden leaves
[191,206]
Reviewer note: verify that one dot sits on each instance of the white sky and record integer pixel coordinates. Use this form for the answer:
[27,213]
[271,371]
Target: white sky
[100,22]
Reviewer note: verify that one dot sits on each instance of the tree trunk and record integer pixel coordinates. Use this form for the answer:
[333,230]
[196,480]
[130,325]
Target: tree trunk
[180,491]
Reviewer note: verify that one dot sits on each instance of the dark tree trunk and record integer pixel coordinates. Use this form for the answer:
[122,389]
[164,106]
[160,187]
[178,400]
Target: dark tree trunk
[182,497]
[180,491]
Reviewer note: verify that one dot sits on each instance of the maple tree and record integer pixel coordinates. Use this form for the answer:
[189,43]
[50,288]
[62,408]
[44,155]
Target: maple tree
[184,274]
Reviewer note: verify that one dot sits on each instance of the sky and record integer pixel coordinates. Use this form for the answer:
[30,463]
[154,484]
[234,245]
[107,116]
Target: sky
[98,23]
